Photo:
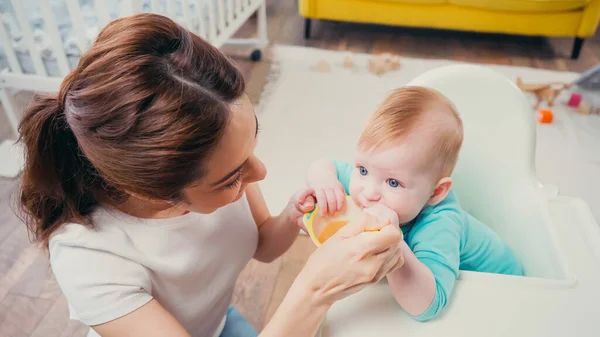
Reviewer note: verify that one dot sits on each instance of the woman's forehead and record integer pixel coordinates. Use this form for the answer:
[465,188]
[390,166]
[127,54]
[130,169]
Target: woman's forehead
[237,143]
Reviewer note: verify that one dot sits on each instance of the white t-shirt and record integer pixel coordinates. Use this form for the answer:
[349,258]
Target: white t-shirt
[189,264]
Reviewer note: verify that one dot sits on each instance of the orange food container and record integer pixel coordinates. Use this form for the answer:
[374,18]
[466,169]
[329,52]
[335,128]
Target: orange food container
[321,228]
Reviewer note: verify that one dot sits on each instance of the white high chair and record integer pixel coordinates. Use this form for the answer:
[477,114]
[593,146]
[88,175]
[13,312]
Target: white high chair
[555,237]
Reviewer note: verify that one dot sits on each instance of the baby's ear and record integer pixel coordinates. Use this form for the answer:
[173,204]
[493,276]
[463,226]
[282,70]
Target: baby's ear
[441,191]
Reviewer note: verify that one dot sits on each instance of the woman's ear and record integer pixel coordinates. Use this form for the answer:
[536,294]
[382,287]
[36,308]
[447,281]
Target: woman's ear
[441,191]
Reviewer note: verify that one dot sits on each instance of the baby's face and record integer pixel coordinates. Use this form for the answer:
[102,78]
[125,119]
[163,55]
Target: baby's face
[398,177]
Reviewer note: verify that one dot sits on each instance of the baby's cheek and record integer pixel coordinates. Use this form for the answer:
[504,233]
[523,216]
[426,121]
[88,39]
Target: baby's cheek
[404,206]
[354,188]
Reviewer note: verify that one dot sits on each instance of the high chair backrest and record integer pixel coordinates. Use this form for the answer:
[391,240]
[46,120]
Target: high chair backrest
[495,176]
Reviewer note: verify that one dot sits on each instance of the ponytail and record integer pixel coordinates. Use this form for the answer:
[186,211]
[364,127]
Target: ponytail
[58,182]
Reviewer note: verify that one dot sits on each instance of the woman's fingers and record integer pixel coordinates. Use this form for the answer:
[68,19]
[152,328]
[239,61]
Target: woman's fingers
[365,222]
[391,260]
[376,242]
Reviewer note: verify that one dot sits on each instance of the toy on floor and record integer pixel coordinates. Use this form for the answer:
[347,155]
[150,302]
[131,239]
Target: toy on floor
[382,63]
[586,95]
[543,91]
[322,228]
[322,67]
[575,100]
[349,62]
[545,116]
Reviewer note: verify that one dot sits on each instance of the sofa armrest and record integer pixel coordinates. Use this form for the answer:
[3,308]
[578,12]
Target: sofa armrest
[308,8]
[590,19]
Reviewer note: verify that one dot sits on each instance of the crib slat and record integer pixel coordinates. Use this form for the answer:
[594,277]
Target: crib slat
[172,9]
[221,14]
[185,9]
[210,8]
[13,61]
[102,11]
[155,6]
[136,6]
[238,8]
[229,12]
[52,28]
[76,17]
[28,38]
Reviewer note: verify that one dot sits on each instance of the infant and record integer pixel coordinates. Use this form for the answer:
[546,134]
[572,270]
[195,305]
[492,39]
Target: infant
[404,159]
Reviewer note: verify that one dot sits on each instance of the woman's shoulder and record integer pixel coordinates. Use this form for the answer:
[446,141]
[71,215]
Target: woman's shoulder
[80,235]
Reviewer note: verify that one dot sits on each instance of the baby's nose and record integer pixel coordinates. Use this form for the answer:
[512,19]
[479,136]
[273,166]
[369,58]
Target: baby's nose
[371,195]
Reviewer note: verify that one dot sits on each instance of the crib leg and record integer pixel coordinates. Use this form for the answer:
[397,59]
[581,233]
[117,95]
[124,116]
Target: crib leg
[262,25]
[10,109]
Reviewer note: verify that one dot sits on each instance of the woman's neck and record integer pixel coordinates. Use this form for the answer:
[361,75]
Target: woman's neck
[148,209]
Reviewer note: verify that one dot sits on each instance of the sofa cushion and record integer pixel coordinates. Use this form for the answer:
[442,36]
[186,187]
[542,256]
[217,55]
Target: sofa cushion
[418,2]
[522,5]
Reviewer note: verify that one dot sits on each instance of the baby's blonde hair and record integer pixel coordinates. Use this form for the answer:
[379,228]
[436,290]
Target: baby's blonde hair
[412,108]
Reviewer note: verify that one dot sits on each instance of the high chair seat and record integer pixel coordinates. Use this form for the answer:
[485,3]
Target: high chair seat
[556,237]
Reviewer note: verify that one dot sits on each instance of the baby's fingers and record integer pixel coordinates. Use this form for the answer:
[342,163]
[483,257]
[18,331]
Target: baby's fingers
[322,201]
[341,198]
[331,201]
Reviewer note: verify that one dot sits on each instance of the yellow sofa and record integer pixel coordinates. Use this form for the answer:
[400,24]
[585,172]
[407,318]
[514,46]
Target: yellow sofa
[566,18]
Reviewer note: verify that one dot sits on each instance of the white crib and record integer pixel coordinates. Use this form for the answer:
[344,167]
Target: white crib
[42,40]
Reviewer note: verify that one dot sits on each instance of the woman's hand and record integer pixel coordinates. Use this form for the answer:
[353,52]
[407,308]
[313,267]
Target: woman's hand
[352,259]
[346,263]
[300,203]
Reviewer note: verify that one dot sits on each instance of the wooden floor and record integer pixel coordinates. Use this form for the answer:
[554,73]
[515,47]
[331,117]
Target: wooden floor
[30,301]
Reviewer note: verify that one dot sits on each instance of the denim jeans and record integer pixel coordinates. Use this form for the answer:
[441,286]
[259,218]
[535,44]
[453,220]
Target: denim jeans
[236,325]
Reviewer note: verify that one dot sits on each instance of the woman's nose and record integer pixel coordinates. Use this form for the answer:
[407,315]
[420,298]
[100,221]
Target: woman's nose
[255,170]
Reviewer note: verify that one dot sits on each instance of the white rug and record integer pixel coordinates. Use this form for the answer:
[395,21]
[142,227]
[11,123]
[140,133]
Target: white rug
[306,115]
[11,159]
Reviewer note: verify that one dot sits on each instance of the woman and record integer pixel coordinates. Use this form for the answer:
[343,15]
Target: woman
[140,179]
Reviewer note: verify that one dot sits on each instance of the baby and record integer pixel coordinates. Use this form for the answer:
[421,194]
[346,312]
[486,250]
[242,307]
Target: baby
[405,156]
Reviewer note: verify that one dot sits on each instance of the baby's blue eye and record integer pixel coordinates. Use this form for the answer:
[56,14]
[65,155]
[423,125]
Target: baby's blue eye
[362,171]
[393,183]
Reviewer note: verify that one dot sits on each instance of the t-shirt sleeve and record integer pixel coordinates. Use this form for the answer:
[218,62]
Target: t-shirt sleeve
[436,243]
[344,172]
[99,286]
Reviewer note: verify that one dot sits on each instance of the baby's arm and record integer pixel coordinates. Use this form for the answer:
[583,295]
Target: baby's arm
[423,285]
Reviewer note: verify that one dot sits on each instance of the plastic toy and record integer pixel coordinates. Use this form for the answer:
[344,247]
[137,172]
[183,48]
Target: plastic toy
[575,99]
[543,91]
[545,116]
[382,63]
[322,67]
[348,62]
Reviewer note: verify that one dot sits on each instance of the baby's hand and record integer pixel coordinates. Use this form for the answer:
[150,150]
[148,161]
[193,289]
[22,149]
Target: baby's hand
[330,195]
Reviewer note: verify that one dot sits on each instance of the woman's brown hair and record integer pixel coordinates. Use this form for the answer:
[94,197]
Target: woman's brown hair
[141,112]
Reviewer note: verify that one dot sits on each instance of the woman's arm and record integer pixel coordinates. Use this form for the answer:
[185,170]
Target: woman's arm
[299,315]
[151,320]
[275,233]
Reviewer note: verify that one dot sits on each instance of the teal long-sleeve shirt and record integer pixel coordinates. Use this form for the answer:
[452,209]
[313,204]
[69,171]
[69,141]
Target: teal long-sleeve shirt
[447,239]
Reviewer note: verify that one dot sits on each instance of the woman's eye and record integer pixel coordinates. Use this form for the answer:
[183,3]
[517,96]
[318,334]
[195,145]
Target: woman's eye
[362,171]
[234,183]
[393,183]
